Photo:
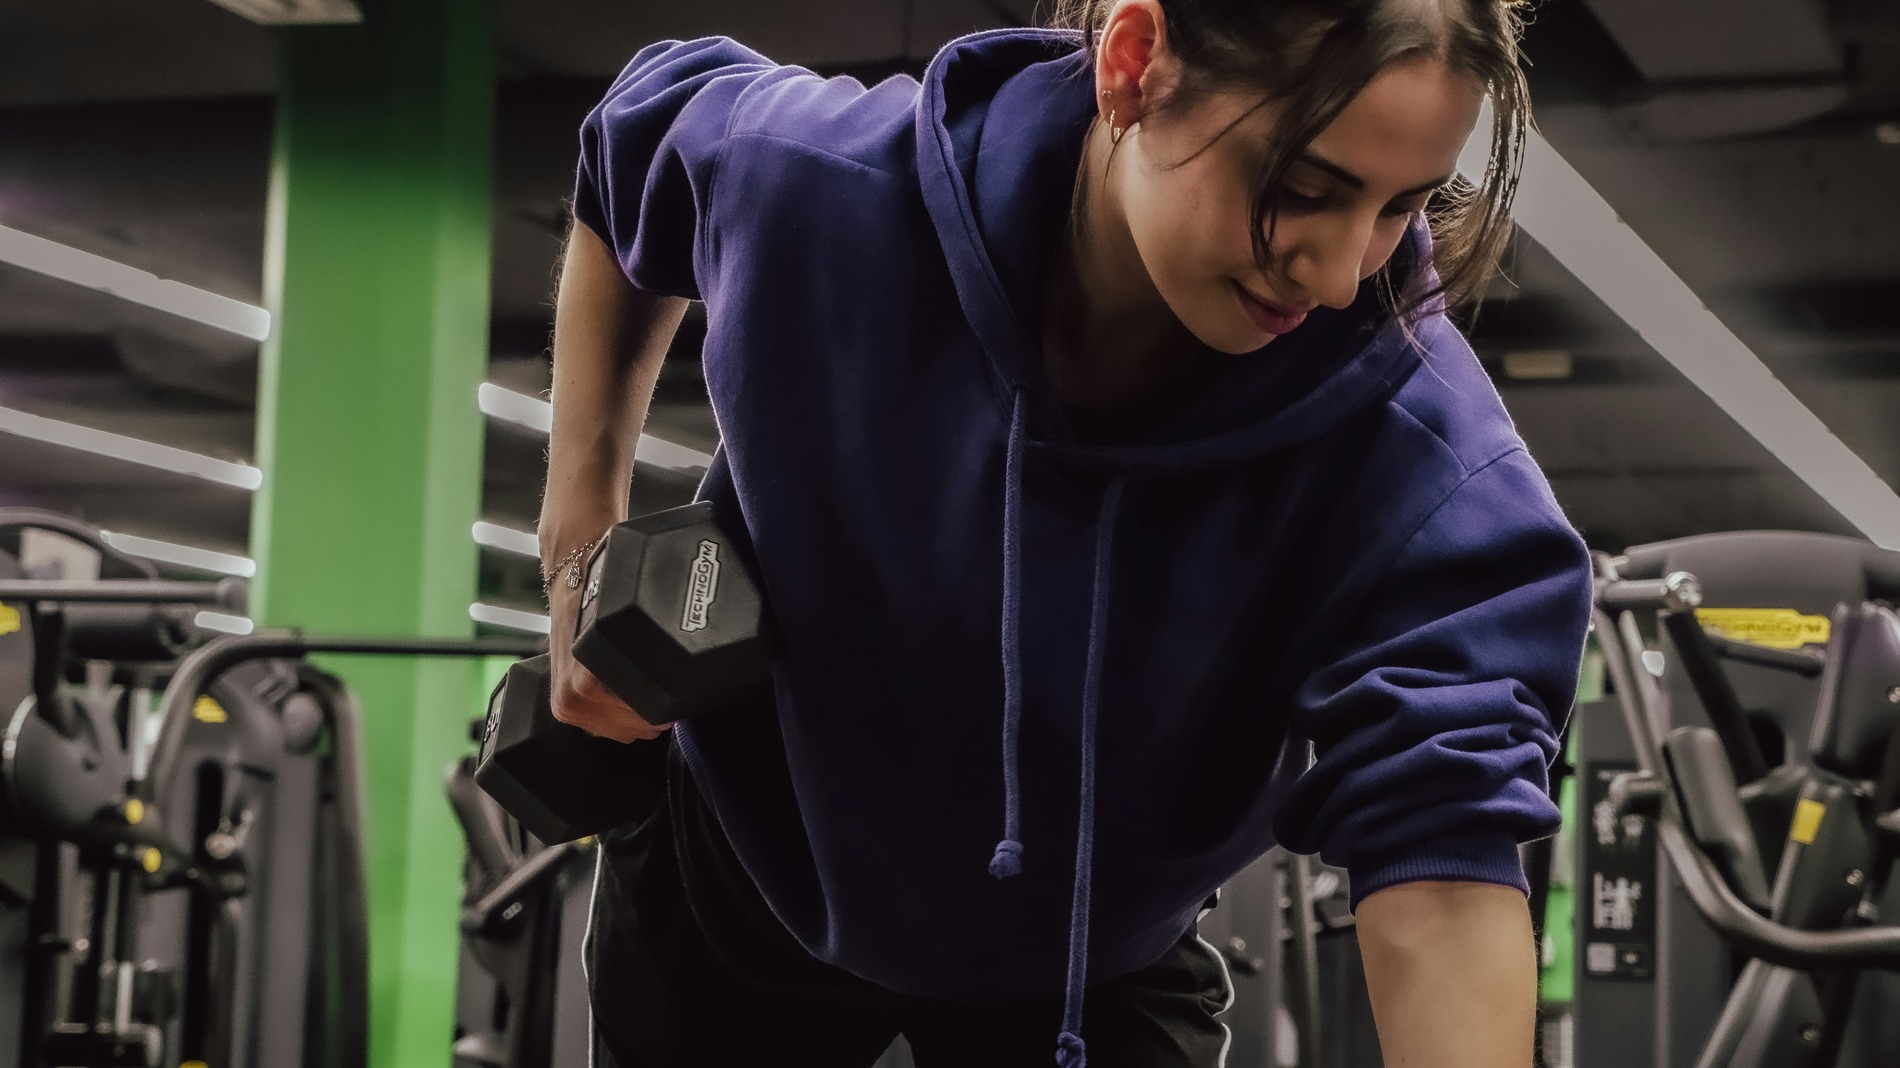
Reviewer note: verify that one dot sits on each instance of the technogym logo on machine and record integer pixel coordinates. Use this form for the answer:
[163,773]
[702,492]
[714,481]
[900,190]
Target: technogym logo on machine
[703,587]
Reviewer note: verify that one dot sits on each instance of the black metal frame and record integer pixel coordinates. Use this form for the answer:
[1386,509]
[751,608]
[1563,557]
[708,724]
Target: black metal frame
[125,874]
[1806,973]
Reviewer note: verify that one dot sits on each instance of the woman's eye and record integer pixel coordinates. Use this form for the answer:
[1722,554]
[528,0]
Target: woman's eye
[1394,211]
[1293,198]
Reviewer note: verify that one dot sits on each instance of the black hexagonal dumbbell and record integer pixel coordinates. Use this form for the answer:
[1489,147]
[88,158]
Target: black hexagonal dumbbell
[671,620]
[673,623]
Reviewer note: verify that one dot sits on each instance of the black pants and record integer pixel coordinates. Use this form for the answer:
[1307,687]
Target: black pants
[690,969]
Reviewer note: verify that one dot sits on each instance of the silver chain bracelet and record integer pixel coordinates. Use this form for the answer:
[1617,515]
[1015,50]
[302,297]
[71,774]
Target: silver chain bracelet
[569,567]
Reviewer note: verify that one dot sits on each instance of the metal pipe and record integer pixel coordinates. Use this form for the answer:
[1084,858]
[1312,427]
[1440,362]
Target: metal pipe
[1635,720]
[197,672]
[1676,592]
[1305,956]
[1758,936]
[1719,700]
[1648,696]
[227,592]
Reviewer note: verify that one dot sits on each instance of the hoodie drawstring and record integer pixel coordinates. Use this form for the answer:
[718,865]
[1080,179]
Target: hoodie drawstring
[1008,860]
[1071,1051]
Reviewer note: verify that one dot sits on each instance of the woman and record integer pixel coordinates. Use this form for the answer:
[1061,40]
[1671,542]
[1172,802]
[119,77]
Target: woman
[1095,395]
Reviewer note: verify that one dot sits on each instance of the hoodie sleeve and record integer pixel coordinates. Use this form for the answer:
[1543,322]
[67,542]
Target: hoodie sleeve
[1435,722]
[649,151]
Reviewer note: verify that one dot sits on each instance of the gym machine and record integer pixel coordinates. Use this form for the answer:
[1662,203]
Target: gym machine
[1782,858]
[522,999]
[201,897]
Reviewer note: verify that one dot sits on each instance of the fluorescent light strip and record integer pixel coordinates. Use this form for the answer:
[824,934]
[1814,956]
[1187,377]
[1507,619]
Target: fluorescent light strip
[537,414]
[480,613]
[185,555]
[227,624]
[496,401]
[1568,217]
[518,408]
[131,450]
[130,283]
[532,622]
[507,539]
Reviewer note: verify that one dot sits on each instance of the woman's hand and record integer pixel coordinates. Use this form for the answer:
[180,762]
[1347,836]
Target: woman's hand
[580,698]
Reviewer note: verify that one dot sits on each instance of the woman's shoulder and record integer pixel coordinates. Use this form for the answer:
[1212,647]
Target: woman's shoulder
[772,104]
[790,108]
[1451,398]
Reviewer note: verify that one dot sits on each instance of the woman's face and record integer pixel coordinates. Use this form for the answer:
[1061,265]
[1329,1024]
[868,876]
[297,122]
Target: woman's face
[1347,200]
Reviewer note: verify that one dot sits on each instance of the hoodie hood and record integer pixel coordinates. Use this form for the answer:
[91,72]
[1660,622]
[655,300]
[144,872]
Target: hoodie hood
[1000,127]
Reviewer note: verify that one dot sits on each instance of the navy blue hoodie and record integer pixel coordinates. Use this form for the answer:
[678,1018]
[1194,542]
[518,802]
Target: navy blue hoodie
[1331,603]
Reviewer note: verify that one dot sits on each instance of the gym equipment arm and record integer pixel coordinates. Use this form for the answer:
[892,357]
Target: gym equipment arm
[224,593]
[1719,701]
[1809,951]
[1801,663]
[1674,592]
[197,671]
[1713,811]
[483,917]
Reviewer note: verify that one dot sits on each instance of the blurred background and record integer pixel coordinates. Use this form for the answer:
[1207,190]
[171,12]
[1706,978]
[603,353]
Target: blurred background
[1753,144]
[276,300]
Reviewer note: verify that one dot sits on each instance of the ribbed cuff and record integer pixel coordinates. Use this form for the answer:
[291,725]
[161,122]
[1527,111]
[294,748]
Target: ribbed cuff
[1470,857]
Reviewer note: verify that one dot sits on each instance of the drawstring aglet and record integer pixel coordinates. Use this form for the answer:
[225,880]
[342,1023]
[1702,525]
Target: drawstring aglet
[1008,861]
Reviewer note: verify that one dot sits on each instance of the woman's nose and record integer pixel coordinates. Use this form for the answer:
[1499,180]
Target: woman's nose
[1326,264]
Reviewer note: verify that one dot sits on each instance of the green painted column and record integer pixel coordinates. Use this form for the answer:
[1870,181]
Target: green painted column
[377,273]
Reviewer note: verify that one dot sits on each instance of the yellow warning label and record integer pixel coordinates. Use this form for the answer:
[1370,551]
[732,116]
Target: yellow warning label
[9,619]
[1776,628]
[152,861]
[208,711]
[1807,821]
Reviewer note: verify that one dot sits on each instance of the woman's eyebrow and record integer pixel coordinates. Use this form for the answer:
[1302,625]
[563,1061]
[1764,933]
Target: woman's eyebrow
[1357,183]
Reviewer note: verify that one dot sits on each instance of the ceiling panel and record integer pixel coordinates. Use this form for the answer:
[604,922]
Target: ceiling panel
[77,51]
[139,130]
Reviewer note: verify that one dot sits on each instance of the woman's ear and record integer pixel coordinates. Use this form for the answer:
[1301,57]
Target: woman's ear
[1133,67]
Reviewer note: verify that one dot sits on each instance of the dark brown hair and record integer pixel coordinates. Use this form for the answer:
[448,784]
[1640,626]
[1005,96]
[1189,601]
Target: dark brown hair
[1311,58]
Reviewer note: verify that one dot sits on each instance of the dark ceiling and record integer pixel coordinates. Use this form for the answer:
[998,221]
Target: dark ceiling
[1743,139]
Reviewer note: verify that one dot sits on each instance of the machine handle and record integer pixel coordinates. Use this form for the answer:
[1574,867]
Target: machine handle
[1706,788]
[1674,592]
[494,909]
[1802,663]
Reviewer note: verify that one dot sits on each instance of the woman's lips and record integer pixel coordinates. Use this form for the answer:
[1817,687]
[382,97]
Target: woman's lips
[1268,316]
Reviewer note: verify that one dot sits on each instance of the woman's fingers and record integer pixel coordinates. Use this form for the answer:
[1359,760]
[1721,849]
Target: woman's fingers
[581,700]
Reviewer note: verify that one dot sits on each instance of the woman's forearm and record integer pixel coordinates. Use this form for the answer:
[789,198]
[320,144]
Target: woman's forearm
[609,342]
[1452,970]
